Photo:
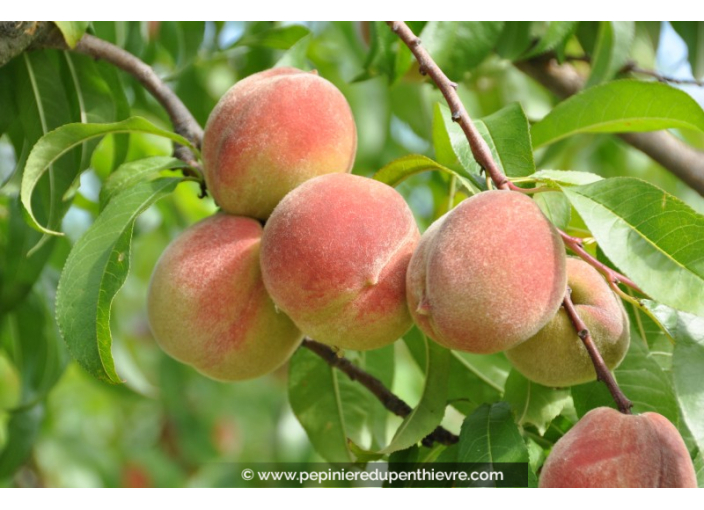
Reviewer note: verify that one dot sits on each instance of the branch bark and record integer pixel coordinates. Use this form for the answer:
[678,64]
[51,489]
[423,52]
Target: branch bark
[183,121]
[19,36]
[427,66]
[602,372]
[388,399]
[674,155]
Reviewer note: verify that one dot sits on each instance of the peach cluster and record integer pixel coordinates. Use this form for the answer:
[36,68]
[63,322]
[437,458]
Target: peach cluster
[341,259]
[302,247]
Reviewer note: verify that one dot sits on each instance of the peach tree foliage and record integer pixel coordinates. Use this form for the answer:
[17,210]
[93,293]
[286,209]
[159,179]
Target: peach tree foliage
[56,295]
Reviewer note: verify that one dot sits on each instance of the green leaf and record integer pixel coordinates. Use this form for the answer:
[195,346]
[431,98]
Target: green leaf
[647,385]
[559,178]
[22,431]
[655,238]
[314,395]
[428,414]
[693,34]
[55,144]
[296,55]
[129,174]
[514,39]
[555,37]
[590,396]
[620,106]
[491,369]
[460,46]
[699,468]
[555,207]
[45,103]
[387,54]
[182,39]
[95,270]
[404,167]
[613,47]
[18,271]
[94,97]
[34,345]
[474,379]
[490,436]
[72,31]
[122,111]
[280,38]
[380,364]
[450,143]
[507,133]
[687,363]
[534,404]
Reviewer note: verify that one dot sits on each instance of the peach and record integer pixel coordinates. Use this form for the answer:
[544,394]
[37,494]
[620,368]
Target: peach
[207,305]
[334,258]
[556,356]
[609,449]
[269,133]
[488,275]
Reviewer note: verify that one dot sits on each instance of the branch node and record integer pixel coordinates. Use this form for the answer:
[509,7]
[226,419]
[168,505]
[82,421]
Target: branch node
[422,69]
[456,116]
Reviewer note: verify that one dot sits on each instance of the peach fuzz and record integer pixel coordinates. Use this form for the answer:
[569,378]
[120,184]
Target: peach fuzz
[488,275]
[207,305]
[607,449]
[556,356]
[334,258]
[269,133]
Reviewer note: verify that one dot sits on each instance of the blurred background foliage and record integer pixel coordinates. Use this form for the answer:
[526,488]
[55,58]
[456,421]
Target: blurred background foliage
[168,425]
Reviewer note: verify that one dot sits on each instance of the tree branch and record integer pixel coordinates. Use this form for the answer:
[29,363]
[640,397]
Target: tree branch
[19,36]
[183,121]
[427,66]
[483,156]
[388,399]
[602,372]
[684,161]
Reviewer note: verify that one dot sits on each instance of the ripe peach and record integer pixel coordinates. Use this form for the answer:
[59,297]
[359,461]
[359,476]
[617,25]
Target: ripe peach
[334,258]
[609,449]
[207,305]
[556,356]
[269,133]
[488,275]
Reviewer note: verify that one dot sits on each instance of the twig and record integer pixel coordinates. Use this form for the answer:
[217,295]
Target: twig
[427,66]
[602,372]
[684,161]
[183,121]
[576,245]
[483,156]
[388,399]
[632,67]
